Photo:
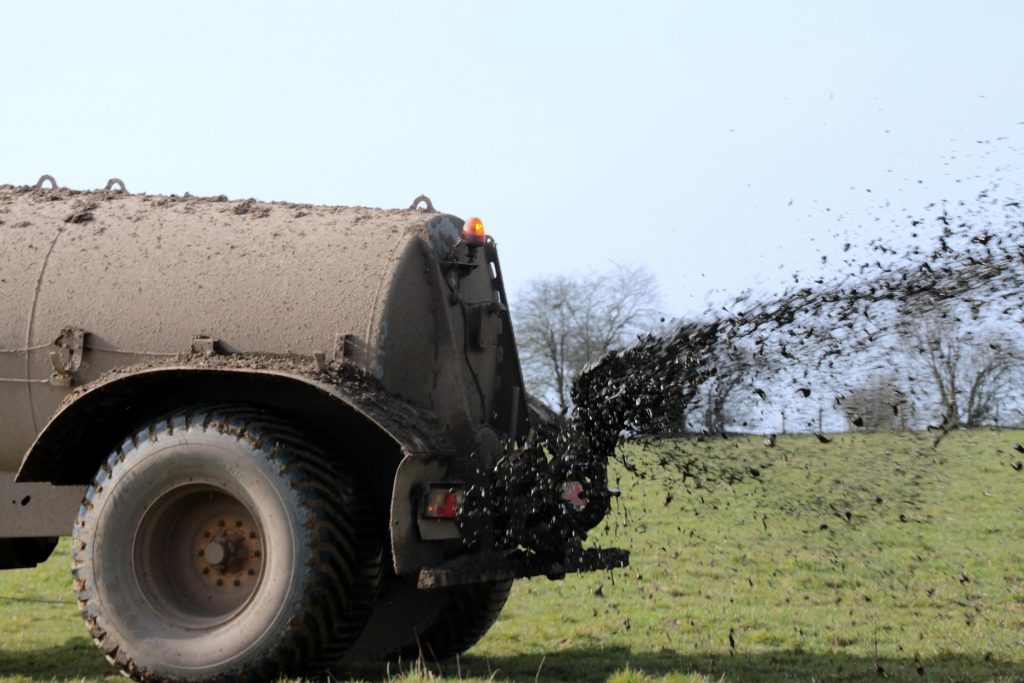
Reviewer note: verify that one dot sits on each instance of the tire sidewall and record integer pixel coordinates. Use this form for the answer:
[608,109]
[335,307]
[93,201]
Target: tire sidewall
[110,530]
[408,623]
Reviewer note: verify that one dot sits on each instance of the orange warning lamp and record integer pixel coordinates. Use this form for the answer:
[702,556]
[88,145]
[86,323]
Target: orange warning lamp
[473,232]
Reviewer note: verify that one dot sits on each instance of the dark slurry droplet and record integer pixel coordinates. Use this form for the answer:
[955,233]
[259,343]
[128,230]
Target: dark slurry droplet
[826,341]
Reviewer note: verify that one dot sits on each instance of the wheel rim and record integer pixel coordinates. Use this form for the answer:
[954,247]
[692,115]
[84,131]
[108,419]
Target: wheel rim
[198,556]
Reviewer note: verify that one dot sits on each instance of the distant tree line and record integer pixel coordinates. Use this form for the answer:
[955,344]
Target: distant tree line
[946,370]
[565,322]
[953,372]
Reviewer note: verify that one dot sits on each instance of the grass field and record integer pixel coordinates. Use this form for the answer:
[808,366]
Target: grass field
[922,580]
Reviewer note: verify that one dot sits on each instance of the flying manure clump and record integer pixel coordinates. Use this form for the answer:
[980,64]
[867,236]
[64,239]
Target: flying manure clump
[821,340]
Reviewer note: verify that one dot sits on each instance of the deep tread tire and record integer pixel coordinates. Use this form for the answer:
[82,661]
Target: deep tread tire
[407,623]
[316,569]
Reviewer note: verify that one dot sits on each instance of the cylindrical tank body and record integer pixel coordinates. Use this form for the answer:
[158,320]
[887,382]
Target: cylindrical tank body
[143,275]
[112,310]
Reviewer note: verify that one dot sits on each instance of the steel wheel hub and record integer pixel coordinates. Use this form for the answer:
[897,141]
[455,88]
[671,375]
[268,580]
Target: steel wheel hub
[198,555]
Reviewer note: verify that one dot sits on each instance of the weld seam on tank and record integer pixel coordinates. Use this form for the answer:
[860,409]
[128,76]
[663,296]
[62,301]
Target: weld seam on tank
[31,326]
[26,350]
[129,352]
[104,349]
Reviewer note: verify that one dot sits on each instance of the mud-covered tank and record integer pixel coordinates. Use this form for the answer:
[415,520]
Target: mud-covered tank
[264,424]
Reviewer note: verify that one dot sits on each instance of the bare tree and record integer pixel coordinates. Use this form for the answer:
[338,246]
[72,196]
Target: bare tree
[564,323]
[972,369]
[733,370]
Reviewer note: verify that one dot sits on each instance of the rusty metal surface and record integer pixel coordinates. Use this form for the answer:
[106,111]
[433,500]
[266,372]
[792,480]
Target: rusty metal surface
[497,567]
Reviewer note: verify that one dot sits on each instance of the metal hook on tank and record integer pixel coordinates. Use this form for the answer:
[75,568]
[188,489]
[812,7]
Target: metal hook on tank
[424,199]
[116,181]
[43,179]
[67,358]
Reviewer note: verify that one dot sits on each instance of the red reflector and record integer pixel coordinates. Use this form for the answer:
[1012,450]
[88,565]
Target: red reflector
[443,503]
[473,232]
[572,493]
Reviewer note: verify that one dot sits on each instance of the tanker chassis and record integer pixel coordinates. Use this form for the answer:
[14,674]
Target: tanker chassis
[280,436]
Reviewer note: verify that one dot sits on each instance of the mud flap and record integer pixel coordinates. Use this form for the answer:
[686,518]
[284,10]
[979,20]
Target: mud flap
[414,540]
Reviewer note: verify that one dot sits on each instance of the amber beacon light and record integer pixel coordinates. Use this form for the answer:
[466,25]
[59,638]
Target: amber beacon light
[473,232]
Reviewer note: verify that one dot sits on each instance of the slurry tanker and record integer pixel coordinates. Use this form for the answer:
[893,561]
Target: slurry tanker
[279,435]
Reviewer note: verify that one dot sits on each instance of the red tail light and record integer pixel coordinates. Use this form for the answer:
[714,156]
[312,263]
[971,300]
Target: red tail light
[573,493]
[443,502]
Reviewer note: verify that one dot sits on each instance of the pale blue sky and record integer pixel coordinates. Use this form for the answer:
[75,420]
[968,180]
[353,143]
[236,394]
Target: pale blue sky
[671,134]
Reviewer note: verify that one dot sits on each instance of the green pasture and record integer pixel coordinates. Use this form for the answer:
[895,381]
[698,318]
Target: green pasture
[868,558]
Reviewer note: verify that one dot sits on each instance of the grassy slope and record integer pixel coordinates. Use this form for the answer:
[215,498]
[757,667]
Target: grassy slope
[943,588]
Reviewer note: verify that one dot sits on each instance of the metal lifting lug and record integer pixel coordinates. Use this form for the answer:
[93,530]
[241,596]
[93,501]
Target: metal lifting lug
[321,361]
[344,346]
[67,358]
[45,179]
[422,199]
[204,345]
[116,185]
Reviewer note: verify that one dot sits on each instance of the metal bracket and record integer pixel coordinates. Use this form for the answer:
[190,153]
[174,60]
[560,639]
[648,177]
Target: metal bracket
[67,359]
[345,346]
[204,345]
[43,179]
[114,182]
[321,361]
[475,322]
[424,199]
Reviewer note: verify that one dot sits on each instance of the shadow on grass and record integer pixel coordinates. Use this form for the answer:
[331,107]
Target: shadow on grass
[79,659]
[76,659]
[595,664]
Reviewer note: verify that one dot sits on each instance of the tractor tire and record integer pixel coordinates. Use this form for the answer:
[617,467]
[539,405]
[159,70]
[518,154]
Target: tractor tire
[408,624]
[219,545]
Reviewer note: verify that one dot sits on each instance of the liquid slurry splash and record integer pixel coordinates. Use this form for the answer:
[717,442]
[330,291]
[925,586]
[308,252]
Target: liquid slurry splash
[919,337]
